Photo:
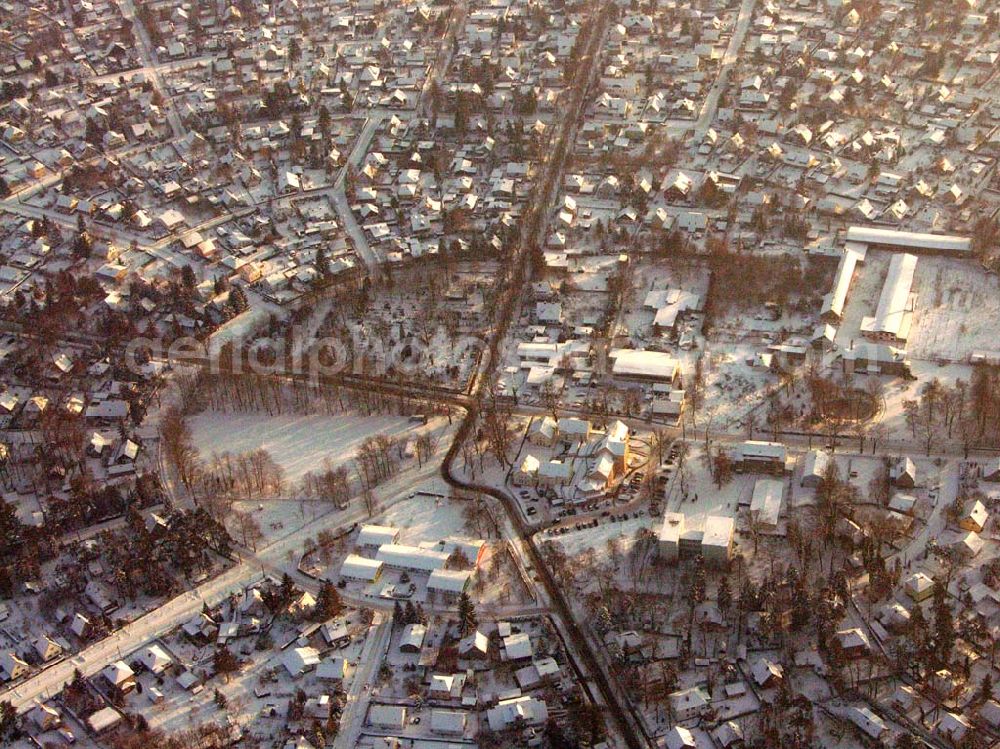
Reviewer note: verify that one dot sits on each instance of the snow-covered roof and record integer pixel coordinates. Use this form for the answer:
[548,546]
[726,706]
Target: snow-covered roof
[298,660]
[765,505]
[411,557]
[448,721]
[657,365]
[360,568]
[117,673]
[376,535]
[528,710]
[912,240]
[718,531]
[891,314]
[449,581]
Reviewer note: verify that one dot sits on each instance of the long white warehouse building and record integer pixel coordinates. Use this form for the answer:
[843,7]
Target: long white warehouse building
[908,240]
[893,314]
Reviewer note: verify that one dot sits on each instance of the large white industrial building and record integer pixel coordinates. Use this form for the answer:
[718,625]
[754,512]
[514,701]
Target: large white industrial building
[895,310]
[908,240]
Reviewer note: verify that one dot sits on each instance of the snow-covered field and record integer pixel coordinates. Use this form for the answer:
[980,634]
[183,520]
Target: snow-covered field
[956,309]
[426,518]
[577,542]
[299,444]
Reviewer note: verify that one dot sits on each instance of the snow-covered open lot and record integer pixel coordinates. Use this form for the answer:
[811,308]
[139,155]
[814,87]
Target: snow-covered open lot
[299,444]
[956,309]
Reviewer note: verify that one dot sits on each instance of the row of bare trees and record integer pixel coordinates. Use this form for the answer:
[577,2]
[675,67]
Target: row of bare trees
[966,411]
[254,474]
[331,482]
[273,395]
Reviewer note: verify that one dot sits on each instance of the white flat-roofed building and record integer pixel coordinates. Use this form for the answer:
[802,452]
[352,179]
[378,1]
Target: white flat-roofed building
[814,467]
[387,716]
[717,539]
[448,722]
[914,241]
[530,353]
[894,311]
[670,535]
[550,313]
[373,536]
[833,303]
[756,455]
[360,569]
[411,558]
[644,366]
[765,506]
[449,583]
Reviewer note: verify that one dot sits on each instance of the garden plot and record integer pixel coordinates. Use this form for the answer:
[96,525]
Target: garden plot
[733,387]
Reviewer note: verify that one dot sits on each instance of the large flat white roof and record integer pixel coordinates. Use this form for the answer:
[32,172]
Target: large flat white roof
[673,527]
[835,301]
[650,364]
[893,302]
[766,502]
[411,557]
[760,449]
[912,240]
[718,531]
[360,568]
[376,535]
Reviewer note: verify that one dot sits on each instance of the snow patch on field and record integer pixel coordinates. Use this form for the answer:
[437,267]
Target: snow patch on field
[577,542]
[427,518]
